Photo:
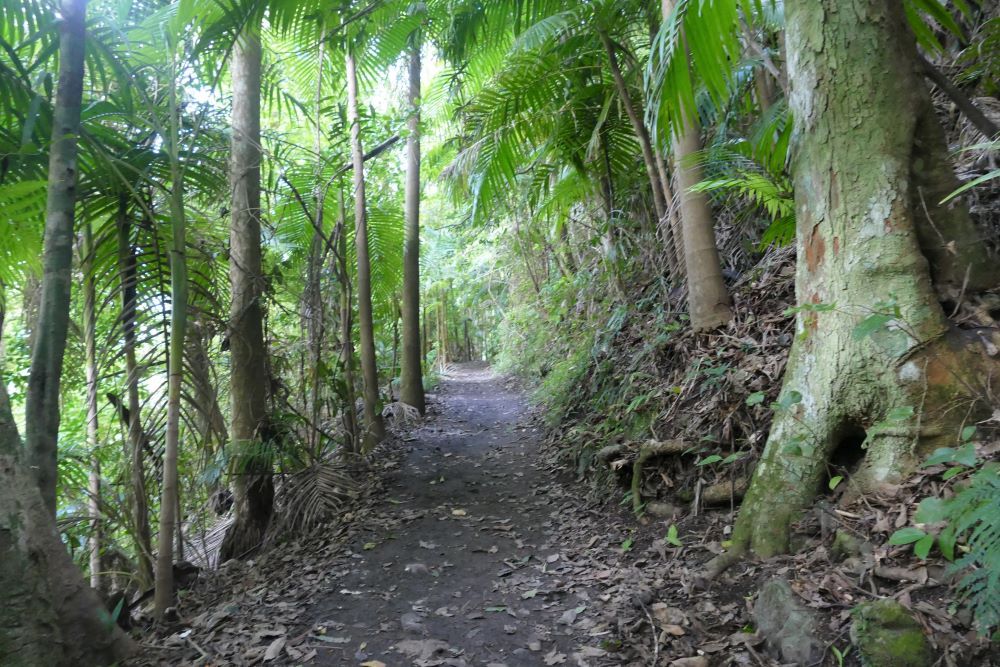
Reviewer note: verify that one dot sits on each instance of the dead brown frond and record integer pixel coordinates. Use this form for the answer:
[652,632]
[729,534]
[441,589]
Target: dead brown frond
[316,495]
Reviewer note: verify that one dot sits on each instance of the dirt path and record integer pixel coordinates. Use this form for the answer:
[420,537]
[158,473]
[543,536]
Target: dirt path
[469,552]
[458,565]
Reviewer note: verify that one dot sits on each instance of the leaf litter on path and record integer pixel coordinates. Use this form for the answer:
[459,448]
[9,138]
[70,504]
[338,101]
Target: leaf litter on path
[504,561]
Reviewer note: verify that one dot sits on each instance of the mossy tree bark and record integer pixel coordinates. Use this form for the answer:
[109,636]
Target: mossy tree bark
[253,485]
[411,376]
[374,427]
[48,613]
[870,168]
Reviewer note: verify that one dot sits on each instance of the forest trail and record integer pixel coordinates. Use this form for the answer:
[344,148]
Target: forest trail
[461,564]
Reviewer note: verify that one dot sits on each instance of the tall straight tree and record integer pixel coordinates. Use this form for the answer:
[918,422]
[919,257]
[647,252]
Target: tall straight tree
[374,429]
[253,485]
[128,277]
[164,574]
[90,355]
[708,299]
[42,403]
[411,376]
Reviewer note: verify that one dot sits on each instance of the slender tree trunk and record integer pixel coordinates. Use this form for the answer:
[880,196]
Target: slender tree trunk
[48,613]
[317,256]
[641,133]
[164,575]
[253,486]
[708,299]
[313,325]
[425,341]
[31,296]
[374,428]
[90,354]
[468,341]
[395,350]
[443,353]
[346,328]
[42,403]
[411,378]
[3,318]
[866,183]
[128,279]
[210,422]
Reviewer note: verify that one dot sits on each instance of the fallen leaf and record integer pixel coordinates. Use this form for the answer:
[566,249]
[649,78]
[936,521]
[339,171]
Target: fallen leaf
[421,649]
[554,658]
[274,650]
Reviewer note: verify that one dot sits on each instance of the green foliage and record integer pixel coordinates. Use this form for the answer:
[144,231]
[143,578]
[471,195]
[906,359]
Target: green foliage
[974,515]
[967,523]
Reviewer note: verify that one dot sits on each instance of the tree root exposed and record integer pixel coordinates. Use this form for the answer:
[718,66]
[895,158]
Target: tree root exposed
[651,449]
[716,494]
[725,491]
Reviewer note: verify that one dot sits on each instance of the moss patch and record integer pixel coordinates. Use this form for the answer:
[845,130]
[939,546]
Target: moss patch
[888,636]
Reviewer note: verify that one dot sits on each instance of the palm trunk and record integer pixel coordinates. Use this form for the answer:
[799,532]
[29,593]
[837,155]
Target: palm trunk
[169,515]
[708,299]
[411,377]
[90,354]
[866,187]
[42,403]
[374,428]
[128,280]
[253,486]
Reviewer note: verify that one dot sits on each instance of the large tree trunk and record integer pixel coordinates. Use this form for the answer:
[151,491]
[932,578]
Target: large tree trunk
[411,377]
[42,403]
[48,613]
[708,299]
[90,354]
[253,486]
[128,279]
[169,498]
[870,168]
[374,428]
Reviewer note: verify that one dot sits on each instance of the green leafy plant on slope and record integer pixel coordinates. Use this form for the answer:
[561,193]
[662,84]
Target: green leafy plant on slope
[968,523]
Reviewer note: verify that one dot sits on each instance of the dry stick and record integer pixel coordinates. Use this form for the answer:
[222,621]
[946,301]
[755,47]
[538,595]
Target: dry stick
[656,639]
[965,105]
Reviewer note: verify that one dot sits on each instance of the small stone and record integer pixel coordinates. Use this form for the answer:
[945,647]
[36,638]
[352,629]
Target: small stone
[789,629]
